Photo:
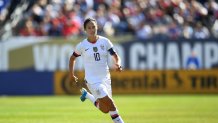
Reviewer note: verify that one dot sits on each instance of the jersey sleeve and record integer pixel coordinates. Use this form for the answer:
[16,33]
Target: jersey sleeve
[109,44]
[110,47]
[78,49]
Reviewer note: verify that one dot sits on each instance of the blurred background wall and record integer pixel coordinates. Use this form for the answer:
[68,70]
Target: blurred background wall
[166,46]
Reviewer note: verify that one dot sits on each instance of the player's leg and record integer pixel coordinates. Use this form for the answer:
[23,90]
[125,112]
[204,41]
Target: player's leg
[97,90]
[101,100]
[86,95]
[92,96]
[112,107]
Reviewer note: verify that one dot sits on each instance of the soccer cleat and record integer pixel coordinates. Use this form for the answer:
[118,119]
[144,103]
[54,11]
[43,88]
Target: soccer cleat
[84,93]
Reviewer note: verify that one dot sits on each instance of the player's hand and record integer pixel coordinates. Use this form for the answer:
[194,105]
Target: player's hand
[75,80]
[118,67]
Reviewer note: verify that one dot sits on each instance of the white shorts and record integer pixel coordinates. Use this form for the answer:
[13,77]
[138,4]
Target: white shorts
[100,90]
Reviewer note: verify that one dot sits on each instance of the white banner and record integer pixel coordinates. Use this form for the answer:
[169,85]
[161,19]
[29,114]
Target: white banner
[135,55]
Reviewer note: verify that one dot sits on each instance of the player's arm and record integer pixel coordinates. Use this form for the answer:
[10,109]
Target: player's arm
[116,59]
[72,65]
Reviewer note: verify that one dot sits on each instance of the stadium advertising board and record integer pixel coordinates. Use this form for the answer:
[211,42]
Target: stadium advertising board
[26,83]
[170,54]
[41,55]
[64,85]
[135,82]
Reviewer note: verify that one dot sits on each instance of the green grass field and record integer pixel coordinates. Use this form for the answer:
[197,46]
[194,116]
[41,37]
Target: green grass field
[133,109]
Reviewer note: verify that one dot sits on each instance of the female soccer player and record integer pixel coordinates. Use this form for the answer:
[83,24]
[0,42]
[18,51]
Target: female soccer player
[94,51]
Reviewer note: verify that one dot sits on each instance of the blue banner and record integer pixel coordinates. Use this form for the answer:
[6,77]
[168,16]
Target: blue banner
[26,83]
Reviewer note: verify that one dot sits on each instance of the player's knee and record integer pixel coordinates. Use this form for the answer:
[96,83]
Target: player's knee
[106,104]
[111,105]
[112,108]
[103,107]
[105,111]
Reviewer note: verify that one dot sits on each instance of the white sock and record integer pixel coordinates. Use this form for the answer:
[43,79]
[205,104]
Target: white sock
[90,97]
[115,117]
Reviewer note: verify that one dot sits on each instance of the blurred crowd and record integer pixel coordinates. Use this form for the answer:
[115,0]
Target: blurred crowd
[144,19]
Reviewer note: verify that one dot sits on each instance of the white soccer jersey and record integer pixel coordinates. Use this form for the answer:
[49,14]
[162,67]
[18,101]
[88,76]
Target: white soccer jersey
[95,58]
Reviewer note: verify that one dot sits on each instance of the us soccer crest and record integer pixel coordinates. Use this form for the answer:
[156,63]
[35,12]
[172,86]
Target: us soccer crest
[102,47]
[95,49]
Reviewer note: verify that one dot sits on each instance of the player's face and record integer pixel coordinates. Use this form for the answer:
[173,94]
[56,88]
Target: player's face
[91,28]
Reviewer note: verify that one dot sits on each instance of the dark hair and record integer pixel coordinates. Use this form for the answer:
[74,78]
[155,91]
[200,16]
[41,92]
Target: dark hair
[88,20]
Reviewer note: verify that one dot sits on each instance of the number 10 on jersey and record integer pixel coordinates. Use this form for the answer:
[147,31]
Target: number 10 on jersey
[97,56]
